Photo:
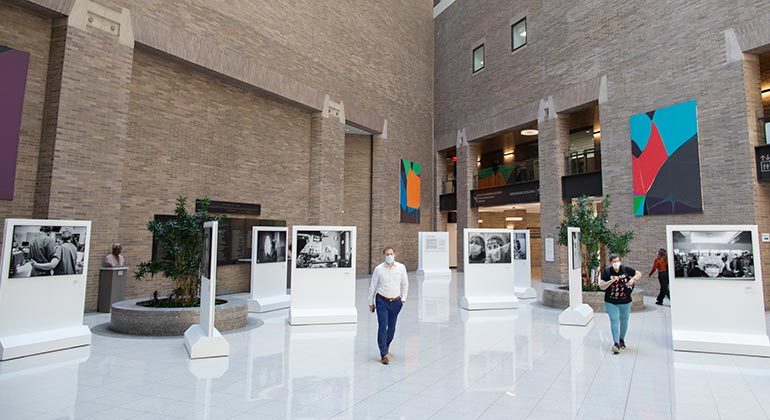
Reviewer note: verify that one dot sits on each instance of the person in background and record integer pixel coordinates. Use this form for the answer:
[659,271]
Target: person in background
[618,282]
[387,295]
[661,266]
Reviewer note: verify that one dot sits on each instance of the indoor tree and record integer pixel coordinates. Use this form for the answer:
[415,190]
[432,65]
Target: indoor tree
[181,241]
[595,236]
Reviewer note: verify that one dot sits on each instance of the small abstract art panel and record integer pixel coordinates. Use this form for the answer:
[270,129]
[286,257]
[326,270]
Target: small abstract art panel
[665,161]
[13,80]
[410,191]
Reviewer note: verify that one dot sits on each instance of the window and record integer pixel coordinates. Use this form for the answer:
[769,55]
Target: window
[519,34]
[478,58]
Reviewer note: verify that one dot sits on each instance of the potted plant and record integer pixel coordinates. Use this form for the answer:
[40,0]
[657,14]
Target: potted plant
[181,239]
[595,237]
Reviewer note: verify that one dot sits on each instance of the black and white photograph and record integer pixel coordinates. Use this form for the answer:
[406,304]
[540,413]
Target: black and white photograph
[271,246]
[489,248]
[727,255]
[206,253]
[47,251]
[324,249]
[520,246]
[576,254]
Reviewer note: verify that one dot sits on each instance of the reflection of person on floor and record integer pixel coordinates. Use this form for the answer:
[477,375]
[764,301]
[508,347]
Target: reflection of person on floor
[41,250]
[497,250]
[387,295]
[64,259]
[476,249]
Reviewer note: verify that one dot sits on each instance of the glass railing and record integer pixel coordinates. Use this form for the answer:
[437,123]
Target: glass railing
[512,173]
[583,161]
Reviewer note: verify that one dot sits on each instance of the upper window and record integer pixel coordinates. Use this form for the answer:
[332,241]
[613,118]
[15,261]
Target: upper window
[478,58]
[519,34]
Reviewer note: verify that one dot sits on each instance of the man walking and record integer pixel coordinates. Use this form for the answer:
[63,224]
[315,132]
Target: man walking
[387,295]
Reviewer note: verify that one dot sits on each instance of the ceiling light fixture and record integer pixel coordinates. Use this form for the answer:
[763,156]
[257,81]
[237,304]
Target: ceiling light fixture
[514,219]
[529,132]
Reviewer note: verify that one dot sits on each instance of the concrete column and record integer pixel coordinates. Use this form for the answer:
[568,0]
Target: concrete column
[467,217]
[327,163]
[552,144]
[85,126]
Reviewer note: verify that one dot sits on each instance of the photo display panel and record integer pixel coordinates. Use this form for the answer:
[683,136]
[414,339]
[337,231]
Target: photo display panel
[44,250]
[271,246]
[206,253]
[724,255]
[576,254]
[324,249]
[519,246]
[489,247]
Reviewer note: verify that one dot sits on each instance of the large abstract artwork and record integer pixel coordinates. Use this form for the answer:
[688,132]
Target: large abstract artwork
[665,161]
[410,192]
[13,79]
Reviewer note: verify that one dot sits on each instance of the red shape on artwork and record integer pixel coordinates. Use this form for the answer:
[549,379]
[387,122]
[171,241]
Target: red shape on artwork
[647,165]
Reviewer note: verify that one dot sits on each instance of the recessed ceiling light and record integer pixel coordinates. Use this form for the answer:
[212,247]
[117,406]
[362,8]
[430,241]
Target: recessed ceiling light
[529,132]
[514,219]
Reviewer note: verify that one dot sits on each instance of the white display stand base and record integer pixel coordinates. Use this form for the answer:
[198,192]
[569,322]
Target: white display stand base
[267,304]
[526,293]
[489,302]
[21,345]
[435,274]
[742,344]
[323,316]
[581,315]
[199,345]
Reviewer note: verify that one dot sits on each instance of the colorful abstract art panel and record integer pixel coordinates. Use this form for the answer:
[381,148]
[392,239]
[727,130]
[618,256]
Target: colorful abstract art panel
[410,191]
[13,80]
[665,161]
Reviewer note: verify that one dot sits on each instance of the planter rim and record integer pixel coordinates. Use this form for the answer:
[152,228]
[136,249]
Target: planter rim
[131,305]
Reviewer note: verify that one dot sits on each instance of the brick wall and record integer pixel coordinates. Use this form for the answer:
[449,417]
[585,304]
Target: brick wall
[632,57]
[357,193]
[31,33]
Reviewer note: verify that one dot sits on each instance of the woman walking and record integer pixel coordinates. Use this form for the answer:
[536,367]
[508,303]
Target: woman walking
[661,266]
[618,282]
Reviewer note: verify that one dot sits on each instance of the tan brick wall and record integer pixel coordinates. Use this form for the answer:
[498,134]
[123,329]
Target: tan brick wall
[357,193]
[31,33]
[193,134]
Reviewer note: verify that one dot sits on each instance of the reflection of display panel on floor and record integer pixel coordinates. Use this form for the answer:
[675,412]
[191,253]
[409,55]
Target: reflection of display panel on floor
[489,271]
[43,286]
[268,269]
[433,255]
[323,289]
[490,346]
[434,300]
[716,290]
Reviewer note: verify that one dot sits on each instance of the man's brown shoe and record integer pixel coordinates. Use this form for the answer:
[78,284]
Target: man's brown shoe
[385,360]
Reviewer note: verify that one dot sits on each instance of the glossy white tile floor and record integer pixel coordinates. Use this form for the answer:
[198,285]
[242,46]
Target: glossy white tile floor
[448,364]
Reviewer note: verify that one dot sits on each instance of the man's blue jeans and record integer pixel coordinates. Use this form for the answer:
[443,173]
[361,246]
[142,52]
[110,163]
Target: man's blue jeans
[387,314]
[619,314]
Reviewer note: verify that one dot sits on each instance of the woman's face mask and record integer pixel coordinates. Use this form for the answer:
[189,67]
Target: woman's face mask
[475,249]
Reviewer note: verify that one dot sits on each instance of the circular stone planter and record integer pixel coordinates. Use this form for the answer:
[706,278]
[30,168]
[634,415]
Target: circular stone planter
[559,298]
[129,318]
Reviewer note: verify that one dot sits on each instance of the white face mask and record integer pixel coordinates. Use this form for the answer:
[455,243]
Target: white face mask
[390,259]
[616,265]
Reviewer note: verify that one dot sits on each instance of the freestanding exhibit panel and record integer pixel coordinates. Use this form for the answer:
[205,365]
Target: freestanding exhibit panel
[323,275]
[489,273]
[433,255]
[43,286]
[268,269]
[716,288]
[203,339]
[578,312]
[522,265]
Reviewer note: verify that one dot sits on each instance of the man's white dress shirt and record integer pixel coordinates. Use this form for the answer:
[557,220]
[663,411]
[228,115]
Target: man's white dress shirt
[389,281]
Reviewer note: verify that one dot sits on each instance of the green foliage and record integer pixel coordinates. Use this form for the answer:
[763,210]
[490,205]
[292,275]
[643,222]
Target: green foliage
[182,242]
[595,234]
